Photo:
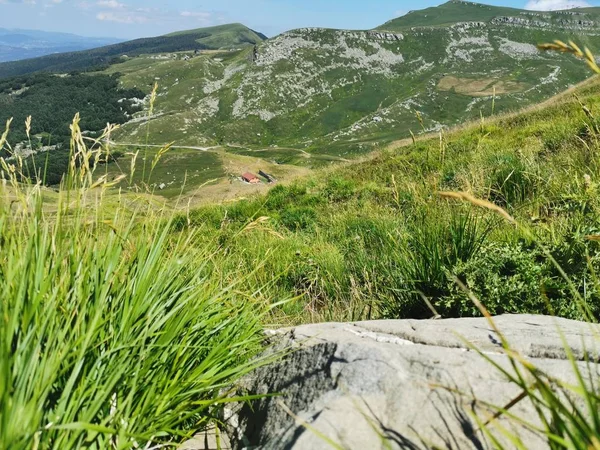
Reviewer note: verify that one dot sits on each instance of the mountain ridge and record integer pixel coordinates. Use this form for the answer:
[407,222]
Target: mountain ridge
[458,11]
[223,36]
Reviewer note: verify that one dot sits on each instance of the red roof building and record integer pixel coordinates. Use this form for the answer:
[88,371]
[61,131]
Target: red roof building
[250,178]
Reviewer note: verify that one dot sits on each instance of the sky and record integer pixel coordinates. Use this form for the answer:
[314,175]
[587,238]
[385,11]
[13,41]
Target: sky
[128,19]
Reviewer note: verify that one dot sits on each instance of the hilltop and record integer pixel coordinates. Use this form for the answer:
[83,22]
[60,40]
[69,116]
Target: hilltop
[456,11]
[213,38]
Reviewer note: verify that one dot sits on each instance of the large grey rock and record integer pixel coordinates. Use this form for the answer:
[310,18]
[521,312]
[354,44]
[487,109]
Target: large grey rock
[355,383]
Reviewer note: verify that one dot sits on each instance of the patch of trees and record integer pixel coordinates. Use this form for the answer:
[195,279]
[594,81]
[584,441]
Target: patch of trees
[53,101]
[50,166]
[100,58]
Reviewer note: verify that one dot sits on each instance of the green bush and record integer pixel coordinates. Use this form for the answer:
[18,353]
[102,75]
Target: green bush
[298,217]
[506,278]
[435,247]
[511,181]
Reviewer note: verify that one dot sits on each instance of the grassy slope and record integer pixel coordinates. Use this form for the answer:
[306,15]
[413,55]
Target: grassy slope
[447,14]
[225,36]
[362,240]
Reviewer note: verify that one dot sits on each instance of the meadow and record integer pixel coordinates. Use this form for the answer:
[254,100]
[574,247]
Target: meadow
[375,238]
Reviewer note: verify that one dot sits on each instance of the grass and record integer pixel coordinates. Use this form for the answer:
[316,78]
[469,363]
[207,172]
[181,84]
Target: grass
[179,172]
[115,332]
[371,239]
[567,414]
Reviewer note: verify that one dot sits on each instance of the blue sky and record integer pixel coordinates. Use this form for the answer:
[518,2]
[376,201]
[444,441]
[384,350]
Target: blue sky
[138,18]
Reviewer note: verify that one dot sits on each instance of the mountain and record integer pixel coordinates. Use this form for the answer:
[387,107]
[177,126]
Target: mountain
[339,92]
[17,44]
[455,11]
[219,37]
[311,97]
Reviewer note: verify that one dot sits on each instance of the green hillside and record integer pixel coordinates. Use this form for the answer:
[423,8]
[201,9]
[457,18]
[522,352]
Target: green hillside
[340,94]
[372,239]
[450,13]
[456,11]
[221,37]
[225,36]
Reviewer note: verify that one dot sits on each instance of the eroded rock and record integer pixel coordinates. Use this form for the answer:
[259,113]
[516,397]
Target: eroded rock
[355,383]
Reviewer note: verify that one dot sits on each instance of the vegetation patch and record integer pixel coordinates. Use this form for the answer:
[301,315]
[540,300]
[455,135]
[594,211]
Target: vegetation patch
[485,87]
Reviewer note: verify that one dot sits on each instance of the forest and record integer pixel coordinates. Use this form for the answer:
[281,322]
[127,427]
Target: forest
[52,101]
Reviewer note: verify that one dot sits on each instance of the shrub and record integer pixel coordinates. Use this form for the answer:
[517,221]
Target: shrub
[437,245]
[298,217]
[507,278]
[510,180]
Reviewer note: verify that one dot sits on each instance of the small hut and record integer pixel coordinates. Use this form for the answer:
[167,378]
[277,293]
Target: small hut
[250,178]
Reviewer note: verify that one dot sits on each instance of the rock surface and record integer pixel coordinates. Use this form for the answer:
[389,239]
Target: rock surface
[355,383]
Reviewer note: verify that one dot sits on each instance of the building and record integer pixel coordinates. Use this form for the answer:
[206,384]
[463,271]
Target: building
[266,176]
[250,178]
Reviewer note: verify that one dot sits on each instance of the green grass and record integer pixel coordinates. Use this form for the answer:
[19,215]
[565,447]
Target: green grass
[225,36]
[116,333]
[371,239]
[180,171]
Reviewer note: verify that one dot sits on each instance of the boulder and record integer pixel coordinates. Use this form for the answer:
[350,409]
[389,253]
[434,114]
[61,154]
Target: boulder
[400,384]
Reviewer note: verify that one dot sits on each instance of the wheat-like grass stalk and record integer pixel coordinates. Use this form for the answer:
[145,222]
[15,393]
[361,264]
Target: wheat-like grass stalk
[572,48]
[465,196]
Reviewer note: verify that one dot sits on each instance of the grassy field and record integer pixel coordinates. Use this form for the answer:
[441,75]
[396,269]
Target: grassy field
[128,316]
[372,239]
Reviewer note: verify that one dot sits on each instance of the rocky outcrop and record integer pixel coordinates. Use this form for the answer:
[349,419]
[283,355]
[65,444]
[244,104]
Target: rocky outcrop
[395,384]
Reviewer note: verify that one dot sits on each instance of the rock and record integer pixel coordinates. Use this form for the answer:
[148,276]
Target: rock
[355,383]
[208,440]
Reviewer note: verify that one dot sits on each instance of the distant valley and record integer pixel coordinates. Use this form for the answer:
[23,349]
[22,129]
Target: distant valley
[17,44]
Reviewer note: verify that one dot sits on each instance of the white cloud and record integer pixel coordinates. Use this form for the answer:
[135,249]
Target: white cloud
[24,2]
[111,4]
[123,12]
[555,5]
[125,17]
[200,15]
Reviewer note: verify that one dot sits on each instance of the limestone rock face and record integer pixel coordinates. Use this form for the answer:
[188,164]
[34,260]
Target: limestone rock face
[397,380]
